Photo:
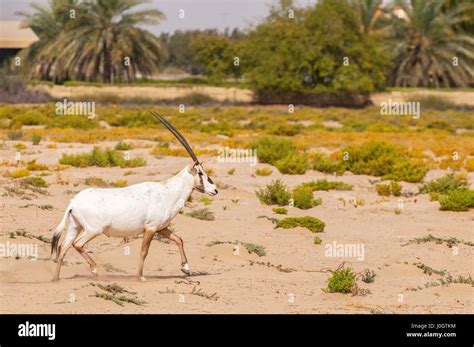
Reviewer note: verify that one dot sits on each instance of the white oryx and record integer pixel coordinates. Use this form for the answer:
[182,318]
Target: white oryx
[146,208]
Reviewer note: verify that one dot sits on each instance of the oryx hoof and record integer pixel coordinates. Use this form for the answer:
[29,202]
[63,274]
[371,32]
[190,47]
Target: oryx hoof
[143,278]
[185,269]
[94,271]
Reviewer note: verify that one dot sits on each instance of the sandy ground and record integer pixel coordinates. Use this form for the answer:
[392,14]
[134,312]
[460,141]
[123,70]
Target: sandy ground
[242,283]
[228,94]
[153,93]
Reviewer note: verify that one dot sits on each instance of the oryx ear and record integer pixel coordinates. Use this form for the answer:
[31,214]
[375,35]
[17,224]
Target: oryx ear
[192,170]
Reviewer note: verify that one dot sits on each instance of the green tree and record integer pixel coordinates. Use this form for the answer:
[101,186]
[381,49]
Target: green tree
[101,40]
[429,51]
[219,56]
[320,51]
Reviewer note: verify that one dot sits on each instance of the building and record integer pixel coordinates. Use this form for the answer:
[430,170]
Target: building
[13,38]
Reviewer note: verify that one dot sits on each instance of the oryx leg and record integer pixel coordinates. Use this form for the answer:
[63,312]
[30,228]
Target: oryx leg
[166,233]
[71,234]
[147,238]
[79,244]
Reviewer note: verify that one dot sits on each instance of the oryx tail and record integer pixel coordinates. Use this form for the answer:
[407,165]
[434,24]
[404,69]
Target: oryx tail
[59,231]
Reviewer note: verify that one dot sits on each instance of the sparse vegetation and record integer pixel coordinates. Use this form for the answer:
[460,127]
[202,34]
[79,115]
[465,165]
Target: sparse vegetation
[36,139]
[122,146]
[445,184]
[367,276]
[250,247]
[271,149]
[202,214]
[34,181]
[34,166]
[303,198]
[201,293]
[457,200]
[343,280]
[112,293]
[317,240]
[101,158]
[327,185]
[95,182]
[119,183]
[393,188]
[429,270]
[293,164]
[280,210]
[19,173]
[263,171]
[275,193]
[206,200]
[376,159]
[450,242]
[313,224]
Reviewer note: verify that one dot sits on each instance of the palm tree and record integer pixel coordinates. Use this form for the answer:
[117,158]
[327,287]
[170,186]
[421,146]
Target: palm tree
[429,51]
[47,22]
[369,13]
[103,41]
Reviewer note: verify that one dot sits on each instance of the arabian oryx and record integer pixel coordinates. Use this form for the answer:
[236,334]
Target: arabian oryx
[146,208]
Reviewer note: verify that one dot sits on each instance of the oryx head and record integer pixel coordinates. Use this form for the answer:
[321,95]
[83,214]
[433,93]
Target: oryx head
[202,182]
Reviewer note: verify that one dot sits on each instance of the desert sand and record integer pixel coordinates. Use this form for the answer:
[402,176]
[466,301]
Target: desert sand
[288,279]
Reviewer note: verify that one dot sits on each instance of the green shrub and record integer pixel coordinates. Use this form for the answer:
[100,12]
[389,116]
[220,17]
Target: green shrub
[323,163]
[202,214]
[263,172]
[445,184]
[257,249]
[395,189]
[19,173]
[270,149]
[101,158]
[457,200]
[275,193]
[408,170]
[327,185]
[317,240]
[382,159]
[119,183]
[303,198]
[36,139]
[313,224]
[341,281]
[280,210]
[34,166]
[287,129]
[95,182]
[382,189]
[293,164]
[122,146]
[35,182]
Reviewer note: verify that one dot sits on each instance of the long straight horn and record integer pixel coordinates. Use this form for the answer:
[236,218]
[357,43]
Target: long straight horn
[176,134]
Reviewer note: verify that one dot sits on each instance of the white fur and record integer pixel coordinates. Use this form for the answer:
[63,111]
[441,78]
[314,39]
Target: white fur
[123,212]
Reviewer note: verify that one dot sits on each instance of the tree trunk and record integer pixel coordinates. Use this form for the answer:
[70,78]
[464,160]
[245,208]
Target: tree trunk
[107,64]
